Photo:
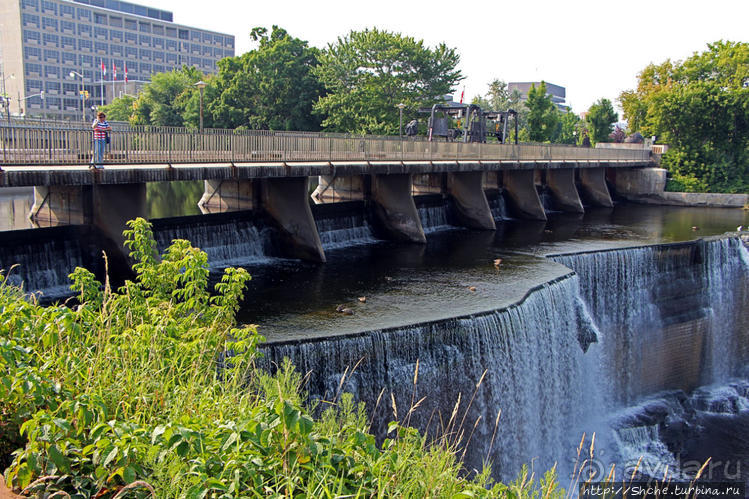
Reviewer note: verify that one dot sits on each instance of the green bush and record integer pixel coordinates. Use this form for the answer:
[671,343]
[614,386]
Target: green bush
[132,391]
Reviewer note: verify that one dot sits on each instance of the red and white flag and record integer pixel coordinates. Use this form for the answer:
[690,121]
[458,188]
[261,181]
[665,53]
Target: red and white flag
[103,68]
[461,95]
[114,71]
[126,72]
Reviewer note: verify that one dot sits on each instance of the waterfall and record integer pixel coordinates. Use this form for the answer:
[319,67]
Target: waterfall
[498,207]
[227,241]
[344,231]
[536,374]
[435,218]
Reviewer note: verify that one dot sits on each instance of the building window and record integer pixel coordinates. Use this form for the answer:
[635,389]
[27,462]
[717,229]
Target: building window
[51,56]
[30,5]
[71,104]
[144,27]
[230,41]
[34,86]
[171,59]
[49,7]
[157,68]
[131,24]
[195,61]
[195,48]
[184,34]
[68,58]
[33,53]
[218,53]
[171,45]
[101,48]
[131,53]
[207,51]
[115,36]
[116,50]
[101,33]
[84,45]
[115,21]
[51,72]
[87,61]
[158,29]
[68,27]
[171,32]
[158,43]
[158,56]
[48,23]
[52,87]
[68,43]
[84,15]
[194,36]
[145,40]
[51,40]
[131,38]
[31,36]
[30,20]
[67,11]
[100,18]
[145,54]
[84,30]
[145,68]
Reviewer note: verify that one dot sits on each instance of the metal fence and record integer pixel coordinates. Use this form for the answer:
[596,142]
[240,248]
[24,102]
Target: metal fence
[38,145]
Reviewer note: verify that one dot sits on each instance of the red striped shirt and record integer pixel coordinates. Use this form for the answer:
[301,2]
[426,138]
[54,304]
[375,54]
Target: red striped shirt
[100,132]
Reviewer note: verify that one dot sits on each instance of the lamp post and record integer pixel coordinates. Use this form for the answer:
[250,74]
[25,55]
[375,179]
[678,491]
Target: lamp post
[73,74]
[400,119]
[201,85]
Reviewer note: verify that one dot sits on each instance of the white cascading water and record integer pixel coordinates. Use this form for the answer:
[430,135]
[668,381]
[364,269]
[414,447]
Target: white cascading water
[343,232]
[227,244]
[537,374]
[434,218]
[46,269]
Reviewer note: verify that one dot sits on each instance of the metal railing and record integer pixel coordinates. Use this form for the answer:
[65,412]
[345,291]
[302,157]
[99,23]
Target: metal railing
[37,145]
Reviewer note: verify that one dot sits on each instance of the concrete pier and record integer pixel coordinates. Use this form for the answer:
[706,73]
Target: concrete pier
[594,188]
[520,186]
[561,182]
[286,200]
[467,191]
[227,195]
[394,208]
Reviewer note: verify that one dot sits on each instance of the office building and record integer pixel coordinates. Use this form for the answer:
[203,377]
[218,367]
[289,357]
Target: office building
[58,47]
[557,93]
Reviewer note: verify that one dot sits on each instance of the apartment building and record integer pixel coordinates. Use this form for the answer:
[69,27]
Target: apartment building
[56,49]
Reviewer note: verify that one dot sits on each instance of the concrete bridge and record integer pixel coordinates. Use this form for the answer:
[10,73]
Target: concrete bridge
[270,172]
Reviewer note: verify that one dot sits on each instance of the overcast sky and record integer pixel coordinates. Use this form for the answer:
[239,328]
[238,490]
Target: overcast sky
[592,48]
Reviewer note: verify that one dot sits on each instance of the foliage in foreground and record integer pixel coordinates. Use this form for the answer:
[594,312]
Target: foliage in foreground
[130,392]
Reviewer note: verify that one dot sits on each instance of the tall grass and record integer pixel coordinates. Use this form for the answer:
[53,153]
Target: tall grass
[151,390]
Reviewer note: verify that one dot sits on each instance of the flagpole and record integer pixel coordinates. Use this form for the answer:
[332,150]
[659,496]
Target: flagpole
[102,81]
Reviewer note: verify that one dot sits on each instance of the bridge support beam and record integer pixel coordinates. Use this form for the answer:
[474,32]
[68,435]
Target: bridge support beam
[61,205]
[331,188]
[395,209]
[286,200]
[466,189]
[521,189]
[227,195]
[114,205]
[561,182]
[639,183]
[595,191]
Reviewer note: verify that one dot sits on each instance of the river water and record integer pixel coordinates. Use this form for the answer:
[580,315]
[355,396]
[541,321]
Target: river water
[574,325]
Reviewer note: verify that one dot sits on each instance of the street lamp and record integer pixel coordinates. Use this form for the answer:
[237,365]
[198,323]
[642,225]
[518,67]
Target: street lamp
[400,119]
[201,85]
[73,74]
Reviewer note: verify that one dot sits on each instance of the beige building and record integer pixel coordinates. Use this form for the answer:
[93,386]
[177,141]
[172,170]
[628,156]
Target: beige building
[55,49]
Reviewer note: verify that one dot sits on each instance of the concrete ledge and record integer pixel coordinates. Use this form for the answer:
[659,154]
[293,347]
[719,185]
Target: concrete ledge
[709,200]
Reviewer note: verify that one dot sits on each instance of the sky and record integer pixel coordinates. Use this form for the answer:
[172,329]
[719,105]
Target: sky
[594,49]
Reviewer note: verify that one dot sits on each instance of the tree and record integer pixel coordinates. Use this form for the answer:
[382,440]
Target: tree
[270,88]
[601,117]
[120,109]
[543,117]
[163,101]
[569,129]
[368,73]
[700,107]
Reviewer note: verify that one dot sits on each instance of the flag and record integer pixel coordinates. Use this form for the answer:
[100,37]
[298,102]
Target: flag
[103,69]
[114,71]
[461,95]
[125,72]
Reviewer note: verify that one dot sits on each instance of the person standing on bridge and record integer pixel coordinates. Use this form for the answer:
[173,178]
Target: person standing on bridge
[101,128]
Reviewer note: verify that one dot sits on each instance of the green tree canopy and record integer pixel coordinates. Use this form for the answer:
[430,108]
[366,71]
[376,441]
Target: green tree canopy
[368,73]
[121,108]
[600,119]
[543,117]
[700,107]
[163,101]
[269,88]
